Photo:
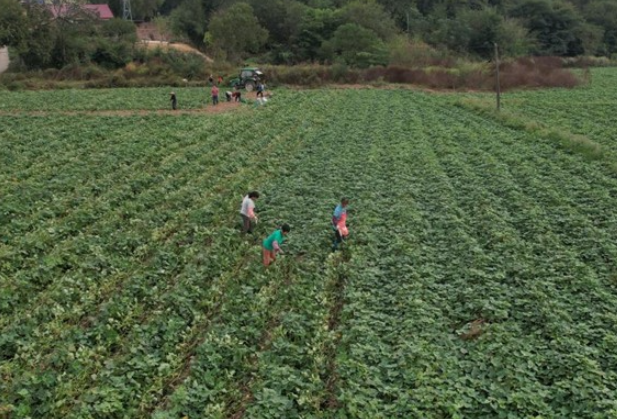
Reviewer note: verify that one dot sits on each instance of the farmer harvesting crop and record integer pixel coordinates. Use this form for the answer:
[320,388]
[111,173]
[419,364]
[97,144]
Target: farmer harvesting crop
[272,245]
[339,218]
[247,211]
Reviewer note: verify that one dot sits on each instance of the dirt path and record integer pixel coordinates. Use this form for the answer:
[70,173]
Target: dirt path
[4,59]
[220,108]
[165,46]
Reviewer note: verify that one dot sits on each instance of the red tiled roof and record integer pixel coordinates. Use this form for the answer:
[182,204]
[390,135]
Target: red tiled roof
[100,11]
[103,10]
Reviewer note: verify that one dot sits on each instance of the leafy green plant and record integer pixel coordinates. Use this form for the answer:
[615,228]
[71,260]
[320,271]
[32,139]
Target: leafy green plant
[478,279]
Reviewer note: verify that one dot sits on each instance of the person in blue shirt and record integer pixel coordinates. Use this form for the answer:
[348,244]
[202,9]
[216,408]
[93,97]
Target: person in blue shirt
[339,217]
[260,89]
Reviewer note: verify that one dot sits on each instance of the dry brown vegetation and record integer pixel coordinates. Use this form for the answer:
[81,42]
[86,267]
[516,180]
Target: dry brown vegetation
[523,73]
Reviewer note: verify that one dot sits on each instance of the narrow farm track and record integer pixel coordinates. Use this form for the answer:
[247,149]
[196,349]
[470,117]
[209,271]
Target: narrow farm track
[478,278]
[83,102]
[220,108]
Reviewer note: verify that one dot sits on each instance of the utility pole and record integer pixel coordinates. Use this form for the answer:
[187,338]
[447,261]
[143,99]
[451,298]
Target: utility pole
[126,10]
[497,83]
[407,13]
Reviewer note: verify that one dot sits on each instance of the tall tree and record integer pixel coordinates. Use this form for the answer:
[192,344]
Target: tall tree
[35,48]
[316,26]
[12,23]
[280,17]
[236,31]
[371,15]
[603,13]
[483,29]
[189,20]
[356,46]
[554,24]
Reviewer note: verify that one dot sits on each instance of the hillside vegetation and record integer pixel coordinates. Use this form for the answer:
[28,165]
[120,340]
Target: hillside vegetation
[293,31]
[358,33]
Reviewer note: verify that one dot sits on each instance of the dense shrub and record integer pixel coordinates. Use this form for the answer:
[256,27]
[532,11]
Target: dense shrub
[536,72]
[157,68]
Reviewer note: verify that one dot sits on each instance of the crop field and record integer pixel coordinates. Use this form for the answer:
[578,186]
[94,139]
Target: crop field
[479,279]
[588,110]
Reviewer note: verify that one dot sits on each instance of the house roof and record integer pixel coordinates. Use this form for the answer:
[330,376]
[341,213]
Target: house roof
[99,11]
[103,10]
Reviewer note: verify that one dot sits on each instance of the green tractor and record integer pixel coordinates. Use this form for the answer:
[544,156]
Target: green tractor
[248,79]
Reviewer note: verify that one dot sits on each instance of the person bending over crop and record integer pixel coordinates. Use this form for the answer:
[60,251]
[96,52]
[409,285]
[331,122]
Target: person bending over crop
[339,219]
[247,211]
[272,245]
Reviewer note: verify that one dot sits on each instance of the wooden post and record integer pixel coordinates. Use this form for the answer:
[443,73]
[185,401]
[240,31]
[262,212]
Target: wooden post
[497,83]
[407,13]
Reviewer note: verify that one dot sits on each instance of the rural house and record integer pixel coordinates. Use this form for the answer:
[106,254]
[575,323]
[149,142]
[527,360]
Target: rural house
[82,11]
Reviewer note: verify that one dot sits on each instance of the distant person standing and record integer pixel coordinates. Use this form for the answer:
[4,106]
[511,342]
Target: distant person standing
[220,80]
[215,94]
[247,211]
[339,220]
[272,245]
[260,89]
[211,79]
[174,101]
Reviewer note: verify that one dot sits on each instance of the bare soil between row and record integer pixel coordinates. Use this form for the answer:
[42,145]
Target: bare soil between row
[210,109]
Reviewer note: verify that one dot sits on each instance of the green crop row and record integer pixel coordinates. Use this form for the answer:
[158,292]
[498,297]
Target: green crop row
[478,280]
[72,100]
[585,111]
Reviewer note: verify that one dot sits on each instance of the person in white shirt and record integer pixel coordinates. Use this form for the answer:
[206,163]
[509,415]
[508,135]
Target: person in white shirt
[247,211]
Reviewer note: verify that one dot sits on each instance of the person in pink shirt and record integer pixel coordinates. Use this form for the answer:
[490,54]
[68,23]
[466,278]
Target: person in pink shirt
[215,94]
[339,226]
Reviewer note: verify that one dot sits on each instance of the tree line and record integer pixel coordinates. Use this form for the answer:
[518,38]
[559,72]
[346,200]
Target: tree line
[358,33]
[37,39]
[364,32]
